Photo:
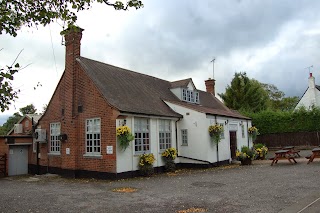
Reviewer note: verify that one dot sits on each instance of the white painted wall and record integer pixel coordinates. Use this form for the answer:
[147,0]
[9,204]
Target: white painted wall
[200,145]
[177,92]
[127,160]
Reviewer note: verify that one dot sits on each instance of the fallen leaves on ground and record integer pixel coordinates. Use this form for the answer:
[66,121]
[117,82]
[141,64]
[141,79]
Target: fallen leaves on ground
[124,190]
[192,210]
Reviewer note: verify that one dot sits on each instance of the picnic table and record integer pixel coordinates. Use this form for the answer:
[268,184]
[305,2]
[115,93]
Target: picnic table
[315,154]
[282,155]
[292,150]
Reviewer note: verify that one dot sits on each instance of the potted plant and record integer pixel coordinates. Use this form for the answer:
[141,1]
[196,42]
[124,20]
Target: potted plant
[215,132]
[261,151]
[146,164]
[124,136]
[169,155]
[246,155]
[253,132]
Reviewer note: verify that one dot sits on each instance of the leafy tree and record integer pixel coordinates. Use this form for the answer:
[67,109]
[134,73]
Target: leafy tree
[245,94]
[17,13]
[7,93]
[29,109]
[12,120]
[7,126]
[277,99]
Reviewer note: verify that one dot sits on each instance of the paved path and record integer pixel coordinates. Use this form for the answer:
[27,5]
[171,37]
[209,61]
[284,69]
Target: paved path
[251,189]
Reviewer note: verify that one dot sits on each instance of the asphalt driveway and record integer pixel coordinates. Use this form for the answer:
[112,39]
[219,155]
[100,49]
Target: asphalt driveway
[257,188]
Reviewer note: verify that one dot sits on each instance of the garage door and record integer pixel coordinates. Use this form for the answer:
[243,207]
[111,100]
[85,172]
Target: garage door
[18,160]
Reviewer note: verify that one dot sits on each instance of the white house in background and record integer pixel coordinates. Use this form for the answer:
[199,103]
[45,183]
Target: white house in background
[311,97]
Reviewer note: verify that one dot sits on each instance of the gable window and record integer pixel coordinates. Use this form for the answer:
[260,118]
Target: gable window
[54,138]
[190,96]
[184,136]
[93,136]
[164,134]
[142,135]
[222,133]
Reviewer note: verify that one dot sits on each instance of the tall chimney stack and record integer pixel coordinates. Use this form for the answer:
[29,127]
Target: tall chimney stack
[210,86]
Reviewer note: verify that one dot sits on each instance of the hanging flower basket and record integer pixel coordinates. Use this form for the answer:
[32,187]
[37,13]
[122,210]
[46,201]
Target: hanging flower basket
[215,132]
[124,136]
[253,132]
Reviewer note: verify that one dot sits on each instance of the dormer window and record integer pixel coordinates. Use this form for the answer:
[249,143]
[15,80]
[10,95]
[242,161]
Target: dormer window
[190,96]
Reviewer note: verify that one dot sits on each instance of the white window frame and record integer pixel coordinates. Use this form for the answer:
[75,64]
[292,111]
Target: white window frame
[55,129]
[165,134]
[142,135]
[190,96]
[184,137]
[93,136]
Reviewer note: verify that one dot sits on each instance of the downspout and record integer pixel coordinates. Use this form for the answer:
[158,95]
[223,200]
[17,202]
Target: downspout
[37,152]
[176,127]
[215,117]
[247,132]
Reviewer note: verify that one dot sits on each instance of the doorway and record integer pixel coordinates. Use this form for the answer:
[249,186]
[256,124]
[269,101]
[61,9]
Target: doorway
[18,160]
[233,144]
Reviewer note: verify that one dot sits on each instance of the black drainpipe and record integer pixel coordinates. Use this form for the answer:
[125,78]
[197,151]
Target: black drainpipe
[215,117]
[176,126]
[247,132]
[33,131]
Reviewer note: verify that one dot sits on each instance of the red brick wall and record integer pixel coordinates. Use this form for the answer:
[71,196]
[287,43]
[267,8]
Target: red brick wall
[75,88]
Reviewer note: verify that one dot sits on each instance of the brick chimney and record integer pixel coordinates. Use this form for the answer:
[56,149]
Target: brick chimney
[312,83]
[210,86]
[72,37]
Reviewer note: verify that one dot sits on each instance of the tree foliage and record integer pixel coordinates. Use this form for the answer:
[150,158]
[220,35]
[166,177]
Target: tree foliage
[8,125]
[250,95]
[17,13]
[245,94]
[301,120]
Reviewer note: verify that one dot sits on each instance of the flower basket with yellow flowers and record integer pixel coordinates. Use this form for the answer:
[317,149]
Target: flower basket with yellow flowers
[215,132]
[169,155]
[246,155]
[261,151]
[146,164]
[124,136]
[253,132]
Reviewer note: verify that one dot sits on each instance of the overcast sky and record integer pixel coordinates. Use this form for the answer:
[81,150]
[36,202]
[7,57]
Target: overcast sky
[273,41]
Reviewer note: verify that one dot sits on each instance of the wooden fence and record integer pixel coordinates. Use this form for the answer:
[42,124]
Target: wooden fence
[3,165]
[307,139]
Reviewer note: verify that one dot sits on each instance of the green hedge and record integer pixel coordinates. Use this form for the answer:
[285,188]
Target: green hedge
[269,122]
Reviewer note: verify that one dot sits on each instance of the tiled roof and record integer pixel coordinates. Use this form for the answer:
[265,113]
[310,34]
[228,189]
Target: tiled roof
[132,92]
[180,83]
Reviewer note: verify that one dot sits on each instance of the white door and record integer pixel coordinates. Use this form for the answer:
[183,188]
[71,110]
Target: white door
[18,160]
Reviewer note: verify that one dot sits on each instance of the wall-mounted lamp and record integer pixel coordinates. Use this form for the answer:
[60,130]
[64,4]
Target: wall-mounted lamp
[226,122]
[241,123]
[124,122]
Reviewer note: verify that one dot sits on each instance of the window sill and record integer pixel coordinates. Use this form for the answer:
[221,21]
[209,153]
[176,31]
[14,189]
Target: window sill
[138,154]
[54,154]
[92,156]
